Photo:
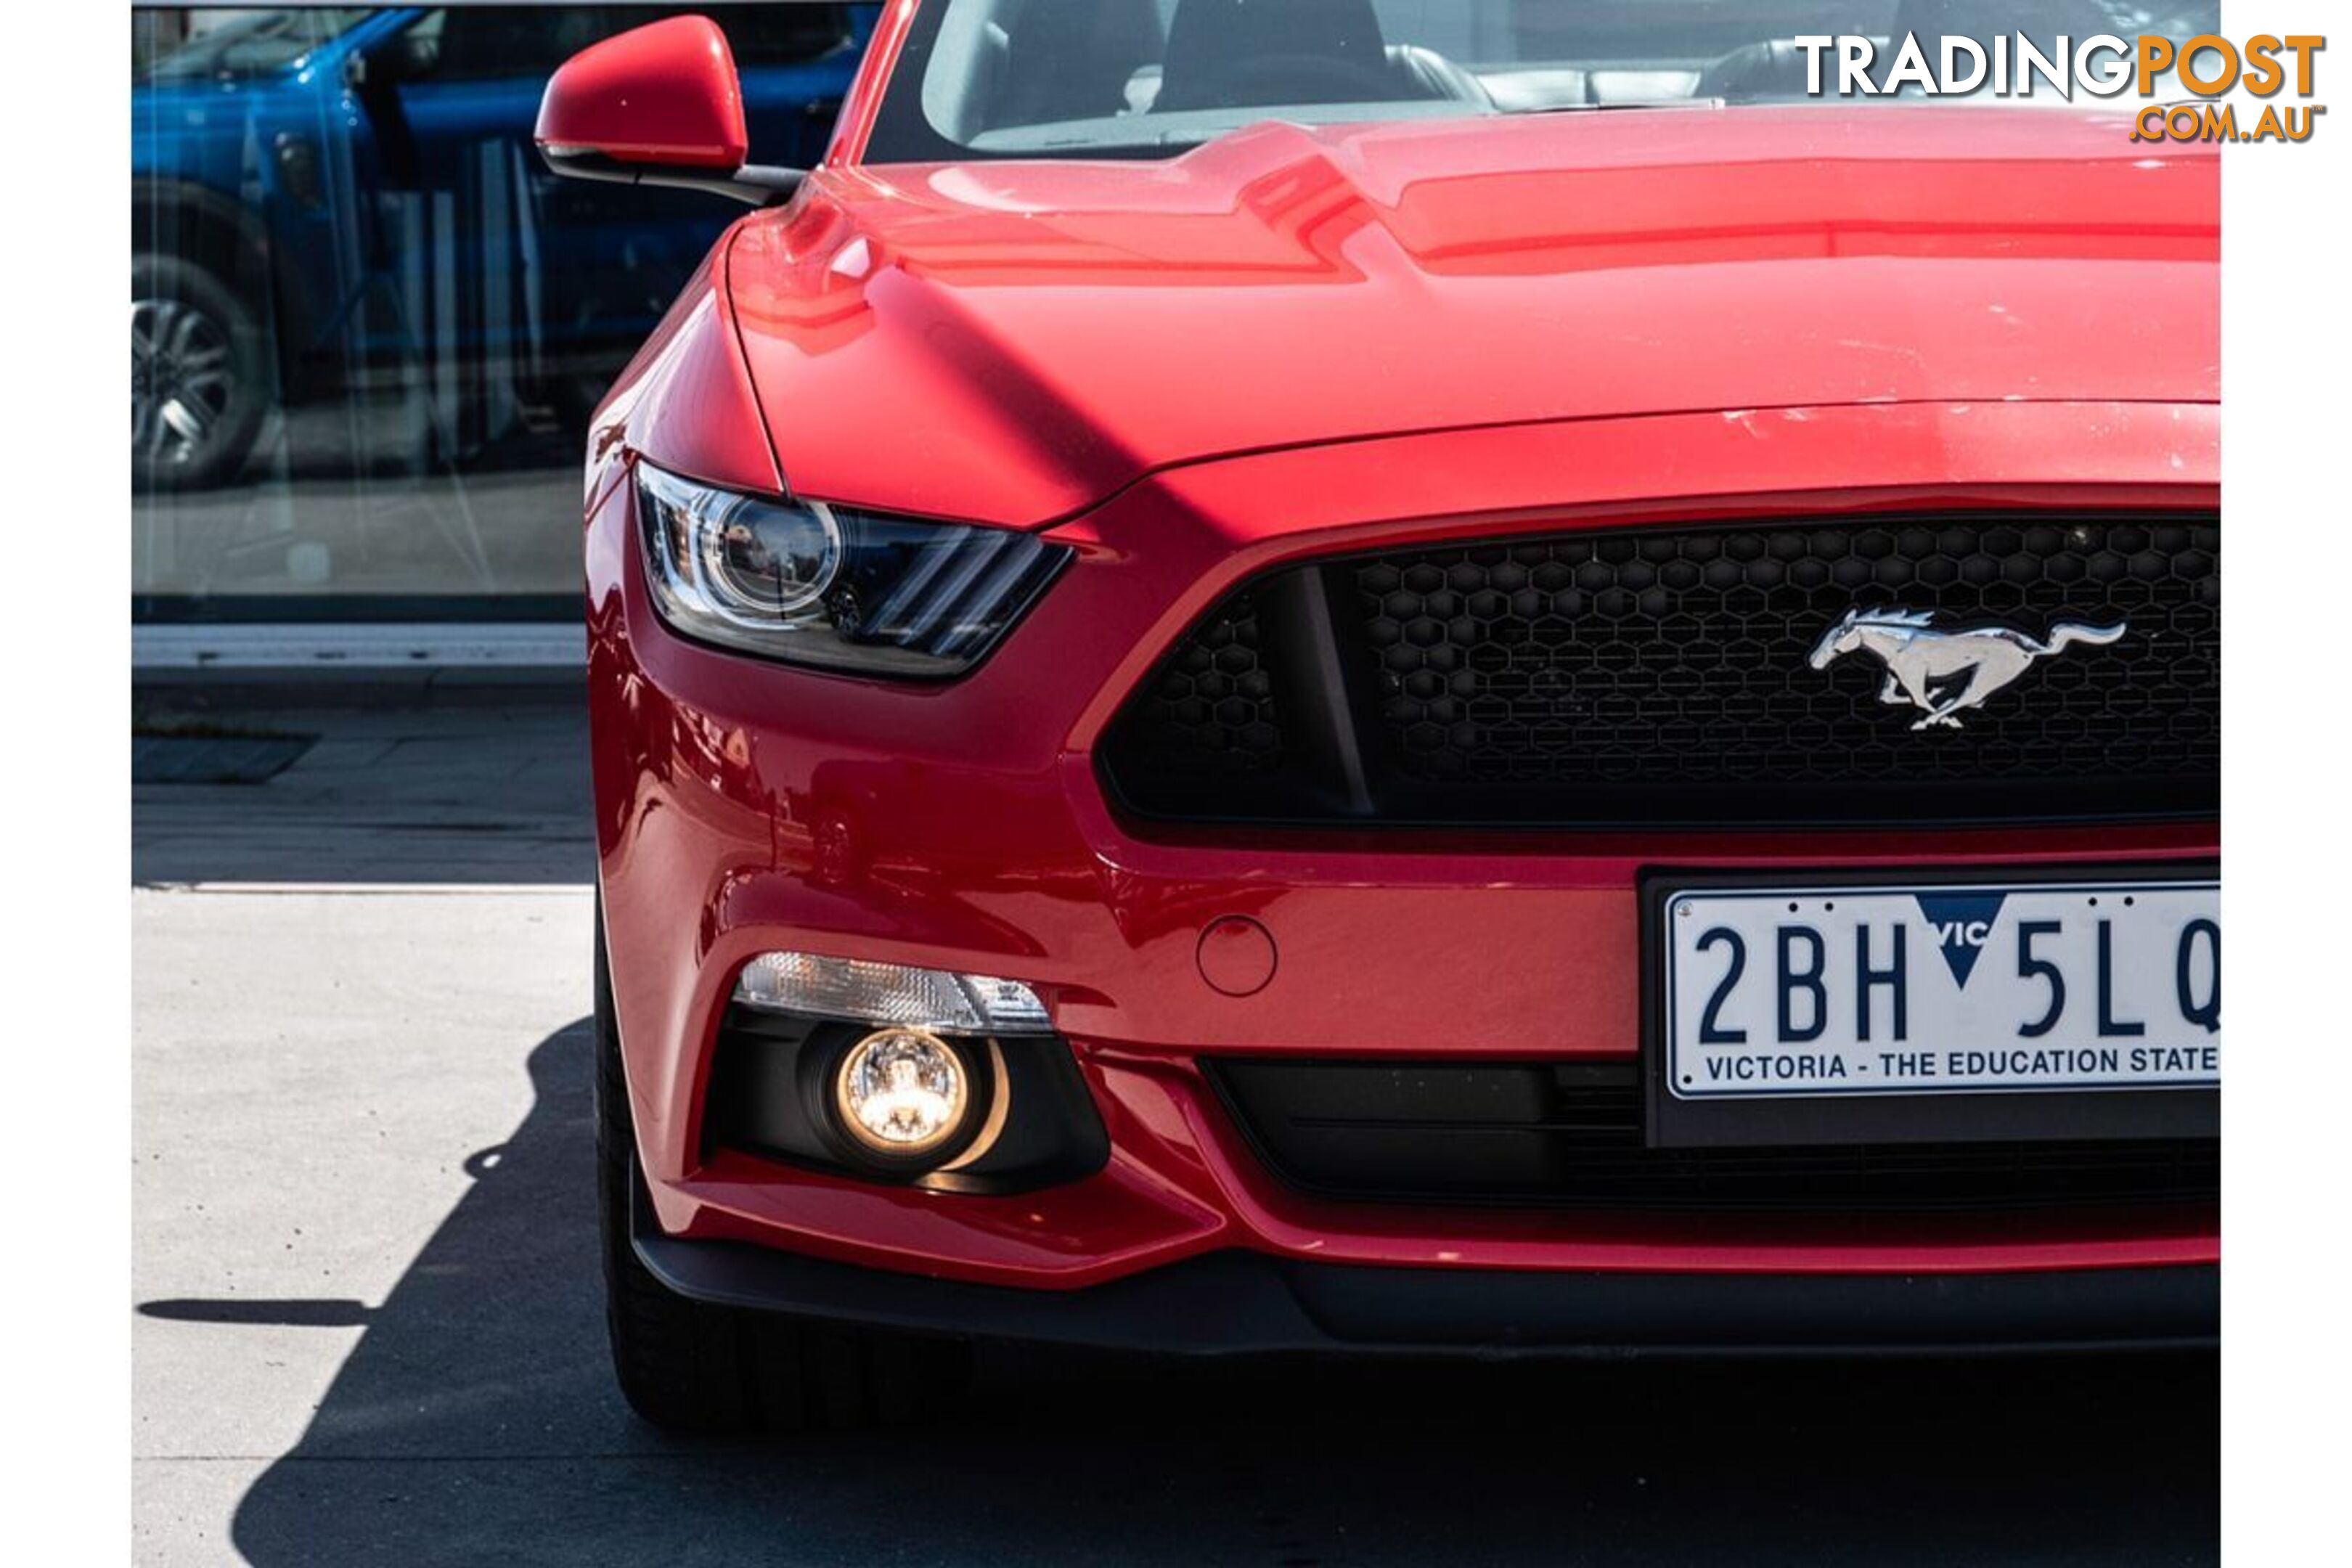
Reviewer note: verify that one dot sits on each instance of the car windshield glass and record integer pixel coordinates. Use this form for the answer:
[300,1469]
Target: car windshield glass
[1153,77]
[251,43]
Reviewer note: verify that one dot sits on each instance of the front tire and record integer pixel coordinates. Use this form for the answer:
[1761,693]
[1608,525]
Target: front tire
[692,1367]
[199,375]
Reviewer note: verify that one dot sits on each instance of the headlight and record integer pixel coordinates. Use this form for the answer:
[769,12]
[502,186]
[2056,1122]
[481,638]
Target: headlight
[810,583]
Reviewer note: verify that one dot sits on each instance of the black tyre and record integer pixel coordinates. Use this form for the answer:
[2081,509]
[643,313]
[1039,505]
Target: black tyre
[200,379]
[696,1368]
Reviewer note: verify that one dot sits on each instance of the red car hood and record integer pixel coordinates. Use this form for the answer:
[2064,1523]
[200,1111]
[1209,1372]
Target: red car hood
[1010,342]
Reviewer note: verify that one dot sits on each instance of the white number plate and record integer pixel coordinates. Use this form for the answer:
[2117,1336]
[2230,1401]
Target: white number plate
[1920,989]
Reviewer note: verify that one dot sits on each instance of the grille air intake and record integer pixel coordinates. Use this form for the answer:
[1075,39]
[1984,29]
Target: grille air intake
[1570,1135]
[1665,676]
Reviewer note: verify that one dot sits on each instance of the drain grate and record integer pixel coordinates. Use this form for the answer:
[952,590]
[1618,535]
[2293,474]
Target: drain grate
[213,759]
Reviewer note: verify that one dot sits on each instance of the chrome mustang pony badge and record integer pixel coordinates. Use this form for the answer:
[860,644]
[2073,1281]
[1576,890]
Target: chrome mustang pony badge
[1942,673]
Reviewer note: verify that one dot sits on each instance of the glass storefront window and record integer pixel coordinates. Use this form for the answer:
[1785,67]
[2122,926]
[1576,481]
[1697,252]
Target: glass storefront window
[368,326]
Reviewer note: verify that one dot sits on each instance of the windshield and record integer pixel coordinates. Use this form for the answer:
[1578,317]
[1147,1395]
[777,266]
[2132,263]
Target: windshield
[1153,77]
[240,43]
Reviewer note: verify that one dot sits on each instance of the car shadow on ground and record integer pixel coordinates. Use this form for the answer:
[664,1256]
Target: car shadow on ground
[476,1421]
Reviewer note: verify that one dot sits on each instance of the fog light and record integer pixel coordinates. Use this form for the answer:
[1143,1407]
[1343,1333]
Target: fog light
[903,1093]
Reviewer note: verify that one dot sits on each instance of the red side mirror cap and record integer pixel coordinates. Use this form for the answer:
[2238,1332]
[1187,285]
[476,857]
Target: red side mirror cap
[664,96]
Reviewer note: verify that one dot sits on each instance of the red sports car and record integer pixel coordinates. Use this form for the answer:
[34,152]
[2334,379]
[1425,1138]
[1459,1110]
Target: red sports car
[1356,676]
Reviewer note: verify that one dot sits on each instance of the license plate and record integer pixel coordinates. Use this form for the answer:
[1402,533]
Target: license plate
[1947,988]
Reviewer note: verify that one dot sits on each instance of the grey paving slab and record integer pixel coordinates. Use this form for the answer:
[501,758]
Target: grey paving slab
[447,794]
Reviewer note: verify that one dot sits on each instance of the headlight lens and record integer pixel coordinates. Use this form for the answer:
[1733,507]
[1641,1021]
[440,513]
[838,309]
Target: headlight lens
[810,583]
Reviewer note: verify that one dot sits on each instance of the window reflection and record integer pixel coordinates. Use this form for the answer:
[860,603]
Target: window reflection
[367,326]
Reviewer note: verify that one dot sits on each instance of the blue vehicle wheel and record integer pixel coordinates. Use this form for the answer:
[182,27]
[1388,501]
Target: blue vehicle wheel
[199,381]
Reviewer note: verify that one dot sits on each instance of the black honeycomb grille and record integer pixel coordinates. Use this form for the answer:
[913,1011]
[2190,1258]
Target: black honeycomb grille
[1210,709]
[1684,657]
[1665,676]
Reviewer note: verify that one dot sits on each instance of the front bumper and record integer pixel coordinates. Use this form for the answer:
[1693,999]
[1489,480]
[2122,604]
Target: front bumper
[1248,1303]
[745,807]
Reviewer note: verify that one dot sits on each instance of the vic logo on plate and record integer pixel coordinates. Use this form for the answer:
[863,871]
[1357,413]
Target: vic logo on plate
[1961,922]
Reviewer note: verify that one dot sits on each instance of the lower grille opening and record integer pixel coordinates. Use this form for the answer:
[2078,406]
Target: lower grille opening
[1571,1135]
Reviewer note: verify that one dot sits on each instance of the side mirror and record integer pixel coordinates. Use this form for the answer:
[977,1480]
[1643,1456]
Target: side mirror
[659,105]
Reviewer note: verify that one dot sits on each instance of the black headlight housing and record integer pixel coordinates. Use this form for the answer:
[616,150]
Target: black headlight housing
[803,582]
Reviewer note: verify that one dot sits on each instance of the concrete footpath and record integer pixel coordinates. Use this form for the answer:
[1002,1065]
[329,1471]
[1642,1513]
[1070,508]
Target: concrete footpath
[368,1322]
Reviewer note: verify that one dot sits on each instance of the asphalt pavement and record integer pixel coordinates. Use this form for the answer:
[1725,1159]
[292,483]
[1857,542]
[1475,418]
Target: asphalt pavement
[368,1323]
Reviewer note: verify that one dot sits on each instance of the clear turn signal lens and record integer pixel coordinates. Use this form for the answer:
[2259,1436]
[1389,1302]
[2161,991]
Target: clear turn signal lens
[890,993]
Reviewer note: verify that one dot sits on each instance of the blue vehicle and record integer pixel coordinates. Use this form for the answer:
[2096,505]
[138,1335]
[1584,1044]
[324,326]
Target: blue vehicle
[332,199]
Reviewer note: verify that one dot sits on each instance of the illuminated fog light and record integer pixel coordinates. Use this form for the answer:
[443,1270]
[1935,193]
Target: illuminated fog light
[867,993]
[902,1093]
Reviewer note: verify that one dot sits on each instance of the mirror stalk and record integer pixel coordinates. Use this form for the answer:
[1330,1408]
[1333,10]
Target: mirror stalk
[755,185]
